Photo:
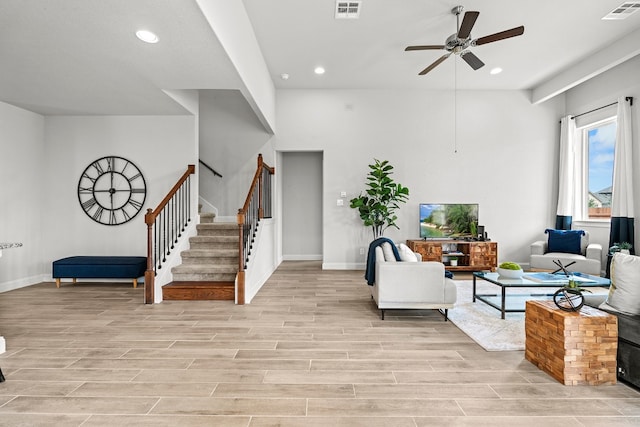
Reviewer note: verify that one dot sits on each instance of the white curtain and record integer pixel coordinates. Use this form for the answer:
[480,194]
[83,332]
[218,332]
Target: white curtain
[622,215]
[566,174]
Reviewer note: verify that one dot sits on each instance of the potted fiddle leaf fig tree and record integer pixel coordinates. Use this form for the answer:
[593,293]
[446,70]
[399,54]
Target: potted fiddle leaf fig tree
[377,204]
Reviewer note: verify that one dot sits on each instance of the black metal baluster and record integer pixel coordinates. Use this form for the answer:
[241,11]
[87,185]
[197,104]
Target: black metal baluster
[189,204]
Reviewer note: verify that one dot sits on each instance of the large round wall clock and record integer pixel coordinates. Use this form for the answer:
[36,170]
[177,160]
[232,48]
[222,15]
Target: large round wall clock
[112,190]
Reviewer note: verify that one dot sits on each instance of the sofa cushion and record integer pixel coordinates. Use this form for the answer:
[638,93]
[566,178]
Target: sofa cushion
[406,254]
[387,250]
[624,293]
[565,241]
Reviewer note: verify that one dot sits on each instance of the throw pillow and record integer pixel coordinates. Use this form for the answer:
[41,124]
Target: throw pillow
[565,241]
[388,252]
[624,293]
[406,254]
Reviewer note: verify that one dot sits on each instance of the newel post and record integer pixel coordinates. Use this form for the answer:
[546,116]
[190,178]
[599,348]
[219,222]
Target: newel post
[240,284]
[149,274]
[260,179]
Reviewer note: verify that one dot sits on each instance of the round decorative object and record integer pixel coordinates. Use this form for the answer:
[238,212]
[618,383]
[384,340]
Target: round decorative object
[112,190]
[510,274]
[568,299]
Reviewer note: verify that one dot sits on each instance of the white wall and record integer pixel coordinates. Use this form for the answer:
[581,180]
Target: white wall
[502,154]
[597,92]
[263,259]
[42,159]
[161,147]
[23,185]
[230,22]
[231,137]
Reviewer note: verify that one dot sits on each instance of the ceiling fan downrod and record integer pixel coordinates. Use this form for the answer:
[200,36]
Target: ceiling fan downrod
[457,11]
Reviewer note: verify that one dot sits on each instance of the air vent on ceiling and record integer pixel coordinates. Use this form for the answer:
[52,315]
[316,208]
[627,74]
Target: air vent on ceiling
[624,10]
[348,9]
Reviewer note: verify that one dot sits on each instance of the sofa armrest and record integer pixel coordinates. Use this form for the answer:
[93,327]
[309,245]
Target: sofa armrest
[539,247]
[450,291]
[410,281]
[594,251]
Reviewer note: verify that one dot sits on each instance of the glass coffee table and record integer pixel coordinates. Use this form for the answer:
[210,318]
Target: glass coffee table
[515,302]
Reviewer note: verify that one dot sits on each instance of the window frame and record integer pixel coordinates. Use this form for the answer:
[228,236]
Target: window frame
[582,171]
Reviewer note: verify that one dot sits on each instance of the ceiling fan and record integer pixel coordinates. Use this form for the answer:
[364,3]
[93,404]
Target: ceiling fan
[459,42]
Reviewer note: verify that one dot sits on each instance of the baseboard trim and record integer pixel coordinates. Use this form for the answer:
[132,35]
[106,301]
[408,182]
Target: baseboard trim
[23,283]
[343,266]
[302,257]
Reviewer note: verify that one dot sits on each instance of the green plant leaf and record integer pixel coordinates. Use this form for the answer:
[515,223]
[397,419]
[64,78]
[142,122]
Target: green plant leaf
[382,197]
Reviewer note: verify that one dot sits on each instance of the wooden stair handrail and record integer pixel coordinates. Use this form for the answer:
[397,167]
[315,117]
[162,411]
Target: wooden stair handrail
[261,165]
[149,219]
[242,216]
[151,215]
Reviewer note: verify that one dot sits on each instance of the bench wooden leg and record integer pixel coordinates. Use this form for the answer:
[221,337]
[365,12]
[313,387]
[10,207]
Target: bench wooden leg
[135,283]
[57,283]
[74,281]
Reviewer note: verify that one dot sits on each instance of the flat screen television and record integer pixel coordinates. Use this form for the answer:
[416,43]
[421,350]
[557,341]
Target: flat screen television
[448,220]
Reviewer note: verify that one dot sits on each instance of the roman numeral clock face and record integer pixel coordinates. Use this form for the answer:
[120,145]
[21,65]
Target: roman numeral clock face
[112,190]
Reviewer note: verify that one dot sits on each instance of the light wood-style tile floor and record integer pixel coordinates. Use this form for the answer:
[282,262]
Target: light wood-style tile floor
[310,350]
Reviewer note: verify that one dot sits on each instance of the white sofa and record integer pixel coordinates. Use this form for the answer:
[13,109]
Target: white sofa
[589,261]
[411,285]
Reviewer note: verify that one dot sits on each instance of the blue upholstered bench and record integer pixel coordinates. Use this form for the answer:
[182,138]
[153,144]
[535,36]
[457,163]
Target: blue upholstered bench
[100,267]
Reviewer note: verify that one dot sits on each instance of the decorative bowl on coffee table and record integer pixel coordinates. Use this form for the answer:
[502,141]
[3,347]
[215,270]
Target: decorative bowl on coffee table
[510,274]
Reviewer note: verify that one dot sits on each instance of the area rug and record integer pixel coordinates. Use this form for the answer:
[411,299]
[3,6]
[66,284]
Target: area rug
[482,323]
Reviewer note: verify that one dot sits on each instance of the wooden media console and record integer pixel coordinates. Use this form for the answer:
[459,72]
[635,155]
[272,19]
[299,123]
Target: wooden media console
[471,255]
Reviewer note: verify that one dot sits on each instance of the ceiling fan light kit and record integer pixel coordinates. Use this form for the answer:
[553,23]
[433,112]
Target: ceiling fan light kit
[459,42]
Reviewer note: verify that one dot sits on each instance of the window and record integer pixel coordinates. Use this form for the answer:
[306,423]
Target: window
[598,143]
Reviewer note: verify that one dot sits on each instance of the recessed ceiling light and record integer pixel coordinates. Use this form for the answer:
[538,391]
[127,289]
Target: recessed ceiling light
[319,70]
[496,70]
[284,76]
[147,36]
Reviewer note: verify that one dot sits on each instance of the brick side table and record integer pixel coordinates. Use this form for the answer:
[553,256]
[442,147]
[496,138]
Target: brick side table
[573,347]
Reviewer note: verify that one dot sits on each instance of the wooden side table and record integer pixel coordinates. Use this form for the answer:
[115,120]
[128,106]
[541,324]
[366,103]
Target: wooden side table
[573,347]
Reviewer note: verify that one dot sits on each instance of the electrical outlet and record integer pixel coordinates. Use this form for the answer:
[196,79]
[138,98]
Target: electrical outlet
[361,251]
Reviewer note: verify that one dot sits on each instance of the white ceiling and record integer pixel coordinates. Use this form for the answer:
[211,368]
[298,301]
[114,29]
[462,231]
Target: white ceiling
[81,57]
[296,35]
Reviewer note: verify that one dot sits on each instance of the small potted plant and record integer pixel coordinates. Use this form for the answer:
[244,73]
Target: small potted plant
[453,261]
[625,247]
[510,270]
[569,297]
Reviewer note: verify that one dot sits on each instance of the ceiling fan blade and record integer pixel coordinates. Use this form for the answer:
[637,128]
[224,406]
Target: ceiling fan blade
[472,60]
[434,65]
[425,47]
[468,22]
[518,31]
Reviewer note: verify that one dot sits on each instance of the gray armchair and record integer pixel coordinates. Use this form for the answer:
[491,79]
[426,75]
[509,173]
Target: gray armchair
[588,261]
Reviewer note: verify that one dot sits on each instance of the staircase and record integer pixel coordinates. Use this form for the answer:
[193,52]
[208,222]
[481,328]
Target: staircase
[208,270]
